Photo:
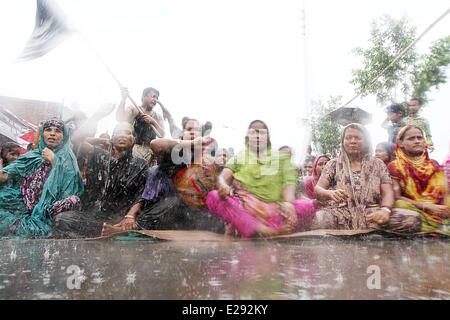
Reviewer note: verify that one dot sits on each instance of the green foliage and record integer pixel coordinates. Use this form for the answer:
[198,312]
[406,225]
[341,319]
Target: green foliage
[431,72]
[326,132]
[413,75]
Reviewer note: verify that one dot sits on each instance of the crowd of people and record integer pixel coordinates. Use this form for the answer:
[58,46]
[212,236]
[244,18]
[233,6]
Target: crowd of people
[73,185]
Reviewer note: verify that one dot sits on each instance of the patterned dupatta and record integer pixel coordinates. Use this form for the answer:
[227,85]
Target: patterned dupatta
[193,183]
[358,199]
[420,178]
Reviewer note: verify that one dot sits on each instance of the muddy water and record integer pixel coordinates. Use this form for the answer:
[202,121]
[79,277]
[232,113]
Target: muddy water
[307,269]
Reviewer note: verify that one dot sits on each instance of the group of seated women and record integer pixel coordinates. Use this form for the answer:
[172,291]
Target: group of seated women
[53,192]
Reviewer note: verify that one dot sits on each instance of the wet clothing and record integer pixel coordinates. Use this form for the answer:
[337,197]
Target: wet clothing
[171,213]
[401,221]
[245,212]
[143,135]
[421,179]
[446,166]
[175,194]
[143,152]
[33,185]
[364,191]
[112,187]
[193,183]
[258,190]
[28,212]
[157,186]
[143,132]
[363,188]
[266,176]
[84,224]
[310,182]
[113,184]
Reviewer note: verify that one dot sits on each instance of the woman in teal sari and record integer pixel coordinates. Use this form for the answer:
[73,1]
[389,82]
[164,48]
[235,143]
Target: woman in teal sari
[50,183]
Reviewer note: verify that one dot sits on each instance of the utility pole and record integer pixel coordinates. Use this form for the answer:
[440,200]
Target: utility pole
[305,59]
[306,118]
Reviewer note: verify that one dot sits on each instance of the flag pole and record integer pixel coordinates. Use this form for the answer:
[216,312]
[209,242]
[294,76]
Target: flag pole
[50,26]
[97,54]
[100,58]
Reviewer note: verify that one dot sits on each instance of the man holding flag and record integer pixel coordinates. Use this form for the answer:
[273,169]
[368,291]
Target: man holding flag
[147,124]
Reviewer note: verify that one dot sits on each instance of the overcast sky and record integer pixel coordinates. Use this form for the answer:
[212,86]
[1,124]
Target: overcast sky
[226,61]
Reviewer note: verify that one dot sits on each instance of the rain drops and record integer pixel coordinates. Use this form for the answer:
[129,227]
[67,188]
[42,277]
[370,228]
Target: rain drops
[46,254]
[130,278]
[13,255]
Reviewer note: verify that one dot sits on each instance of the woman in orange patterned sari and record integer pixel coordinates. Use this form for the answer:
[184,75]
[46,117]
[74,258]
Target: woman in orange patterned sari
[175,193]
[419,182]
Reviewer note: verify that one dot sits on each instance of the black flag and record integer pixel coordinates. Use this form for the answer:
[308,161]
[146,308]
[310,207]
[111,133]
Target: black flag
[51,28]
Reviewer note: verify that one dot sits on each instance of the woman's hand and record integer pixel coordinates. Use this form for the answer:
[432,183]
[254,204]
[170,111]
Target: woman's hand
[201,141]
[48,155]
[379,217]
[127,223]
[224,190]
[337,196]
[439,210]
[289,213]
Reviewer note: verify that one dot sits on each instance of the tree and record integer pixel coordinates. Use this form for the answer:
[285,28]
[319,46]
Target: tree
[326,132]
[431,72]
[412,74]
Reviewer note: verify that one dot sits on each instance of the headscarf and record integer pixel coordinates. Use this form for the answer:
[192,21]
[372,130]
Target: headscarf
[420,178]
[357,201]
[447,170]
[266,174]
[53,122]
[447,173]
[310,182]
[64,180]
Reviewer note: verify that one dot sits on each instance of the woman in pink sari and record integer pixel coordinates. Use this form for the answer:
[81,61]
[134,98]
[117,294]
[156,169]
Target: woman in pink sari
[311,181]
[256,190]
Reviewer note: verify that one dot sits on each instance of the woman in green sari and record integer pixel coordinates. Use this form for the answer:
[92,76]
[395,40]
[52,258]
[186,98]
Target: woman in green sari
[50,183]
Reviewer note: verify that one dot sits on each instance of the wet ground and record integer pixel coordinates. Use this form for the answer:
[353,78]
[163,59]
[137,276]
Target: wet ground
[295,269]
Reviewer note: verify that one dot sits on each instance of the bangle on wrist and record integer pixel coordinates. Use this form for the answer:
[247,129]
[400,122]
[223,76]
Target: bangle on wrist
[129,216]
[387,209]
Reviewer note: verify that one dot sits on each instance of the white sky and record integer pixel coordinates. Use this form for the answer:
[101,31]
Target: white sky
[226,61]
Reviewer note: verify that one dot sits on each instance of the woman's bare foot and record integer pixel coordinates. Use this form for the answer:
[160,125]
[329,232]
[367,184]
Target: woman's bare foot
[265,231]
[108,230]
[229,230]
